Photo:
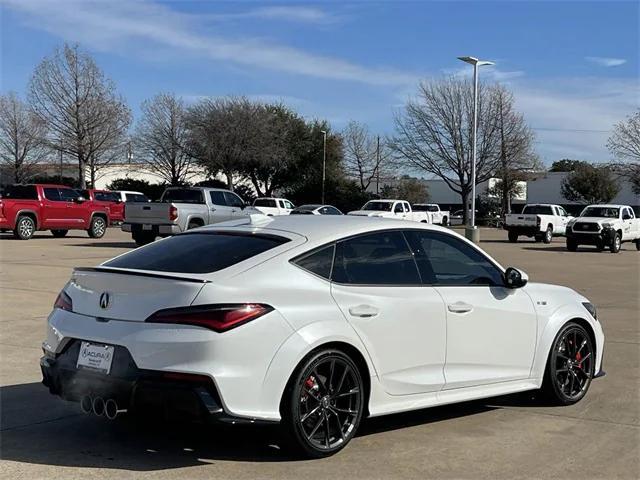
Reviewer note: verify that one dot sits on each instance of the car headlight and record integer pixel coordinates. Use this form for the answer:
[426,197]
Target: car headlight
[591,309]
[607,225]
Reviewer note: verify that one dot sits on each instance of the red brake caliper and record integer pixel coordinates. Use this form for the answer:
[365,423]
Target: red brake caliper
[578,358]
[311,385]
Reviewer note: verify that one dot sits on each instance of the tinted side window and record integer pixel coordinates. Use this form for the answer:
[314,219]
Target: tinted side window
[233,200]
[398,208]
[52,194]
[318,262]
[136,198]
[21,192]
[68,194]
[332,211]
[375,259]
[446,260]
[103,196]
[183,195]
[217,198]
[197,252]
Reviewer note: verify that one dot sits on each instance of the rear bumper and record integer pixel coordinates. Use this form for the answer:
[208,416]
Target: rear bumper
[158,230]
[526,230]
[144,392]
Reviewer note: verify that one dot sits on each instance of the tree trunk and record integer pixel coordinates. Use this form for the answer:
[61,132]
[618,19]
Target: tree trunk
[82,182]
[229,176]
[465,206]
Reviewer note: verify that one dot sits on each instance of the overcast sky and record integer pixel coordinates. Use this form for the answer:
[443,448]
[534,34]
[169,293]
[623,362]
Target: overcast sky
[573,66]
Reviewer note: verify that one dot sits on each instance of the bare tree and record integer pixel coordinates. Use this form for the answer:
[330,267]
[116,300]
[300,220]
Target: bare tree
[517,158]
[364,156]
[80,107]
[224,134]
[433,134]
[624,143]
[161,137]
[22,134]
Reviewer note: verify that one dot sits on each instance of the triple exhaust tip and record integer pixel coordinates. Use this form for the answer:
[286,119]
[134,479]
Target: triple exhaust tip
[98,406]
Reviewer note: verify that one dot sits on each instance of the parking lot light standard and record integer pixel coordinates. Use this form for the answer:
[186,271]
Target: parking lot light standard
[471,231]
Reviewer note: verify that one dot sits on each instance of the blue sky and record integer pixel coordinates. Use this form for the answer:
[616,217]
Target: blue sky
[573,66]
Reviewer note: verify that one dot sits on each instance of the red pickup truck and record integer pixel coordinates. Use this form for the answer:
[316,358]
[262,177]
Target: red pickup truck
[108,199]
[28,208]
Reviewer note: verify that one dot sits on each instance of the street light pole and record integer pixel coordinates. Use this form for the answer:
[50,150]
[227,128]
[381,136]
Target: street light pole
[476,63]
[324,160]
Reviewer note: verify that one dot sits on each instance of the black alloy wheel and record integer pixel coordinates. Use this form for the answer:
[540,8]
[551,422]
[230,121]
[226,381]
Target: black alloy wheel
[570,367]
[323,407]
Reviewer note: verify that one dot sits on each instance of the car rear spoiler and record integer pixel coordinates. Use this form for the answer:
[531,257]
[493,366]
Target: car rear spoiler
[121,271]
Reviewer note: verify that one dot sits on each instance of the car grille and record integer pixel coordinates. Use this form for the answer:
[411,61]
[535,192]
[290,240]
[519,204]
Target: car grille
[586,227]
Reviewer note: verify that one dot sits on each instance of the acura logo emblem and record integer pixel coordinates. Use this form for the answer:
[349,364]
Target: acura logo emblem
[105,300]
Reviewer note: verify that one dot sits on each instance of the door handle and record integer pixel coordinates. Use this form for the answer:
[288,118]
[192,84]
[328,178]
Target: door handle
[459,307]
[364,311]
[212,209]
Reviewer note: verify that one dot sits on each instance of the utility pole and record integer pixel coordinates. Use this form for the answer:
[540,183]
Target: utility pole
[378,166]
[324,160]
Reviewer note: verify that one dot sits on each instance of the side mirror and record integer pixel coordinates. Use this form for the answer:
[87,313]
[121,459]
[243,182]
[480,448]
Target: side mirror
[515,278]
[80,199]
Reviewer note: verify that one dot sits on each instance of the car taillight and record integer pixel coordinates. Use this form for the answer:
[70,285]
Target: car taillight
[173,212]
[219,318]
[63,302]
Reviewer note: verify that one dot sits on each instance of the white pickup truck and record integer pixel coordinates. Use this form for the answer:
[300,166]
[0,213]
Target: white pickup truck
[604,226]
[398,209]
[439,217]
[273,206]
[540,221]
[180,209]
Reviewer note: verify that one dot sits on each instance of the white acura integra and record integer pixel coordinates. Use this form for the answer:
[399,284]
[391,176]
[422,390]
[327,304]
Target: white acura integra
[313,322]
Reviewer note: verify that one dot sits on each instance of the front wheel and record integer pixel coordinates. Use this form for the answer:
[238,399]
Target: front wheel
[322,406]
[97,228]
[570,366]
[445,221]
[572,245]
[513,237]
[637,244]
[616,243]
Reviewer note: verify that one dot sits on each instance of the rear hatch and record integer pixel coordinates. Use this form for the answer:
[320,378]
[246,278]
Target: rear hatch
[151,213]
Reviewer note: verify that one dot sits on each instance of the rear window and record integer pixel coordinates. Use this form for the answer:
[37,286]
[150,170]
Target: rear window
[136,198]
[197,252]
[425,208]
[21,192]
[265,202]
[186,195]
[538,210]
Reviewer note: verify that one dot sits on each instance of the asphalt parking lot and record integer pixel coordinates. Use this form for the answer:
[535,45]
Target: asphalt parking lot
[509,437]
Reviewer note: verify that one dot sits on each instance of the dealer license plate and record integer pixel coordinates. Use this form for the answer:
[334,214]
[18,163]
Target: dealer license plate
[146,226]
[95,357]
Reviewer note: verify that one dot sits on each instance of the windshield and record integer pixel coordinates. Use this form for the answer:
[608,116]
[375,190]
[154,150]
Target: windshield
[183,195]
[607,212]
[538,210]
[378,206]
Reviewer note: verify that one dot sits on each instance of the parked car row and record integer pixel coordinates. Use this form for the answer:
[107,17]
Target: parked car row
[603,226]
[25,209]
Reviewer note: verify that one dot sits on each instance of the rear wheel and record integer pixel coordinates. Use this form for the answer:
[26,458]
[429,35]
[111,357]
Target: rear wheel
[323,404]
[548,235]
[445,221]
[25,227]
[98,227]
[59,233]
[637,244]
[572,245]
[616,243]
[513,237]
[570,366]
[193,225]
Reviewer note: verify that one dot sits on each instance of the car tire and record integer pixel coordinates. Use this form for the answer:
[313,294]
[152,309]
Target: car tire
[59,233]
[445,221]
[143,239]
[600,246]
[572,245]
[570,366]
[637,244]
[98,227]
[513,237]
[616,243]
[193,225]
[25,227]
[548,235]
[323,404]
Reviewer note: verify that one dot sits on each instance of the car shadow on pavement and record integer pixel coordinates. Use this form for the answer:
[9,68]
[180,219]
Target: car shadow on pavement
[40,236]
[37,428]
[104,244]
[562,248]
